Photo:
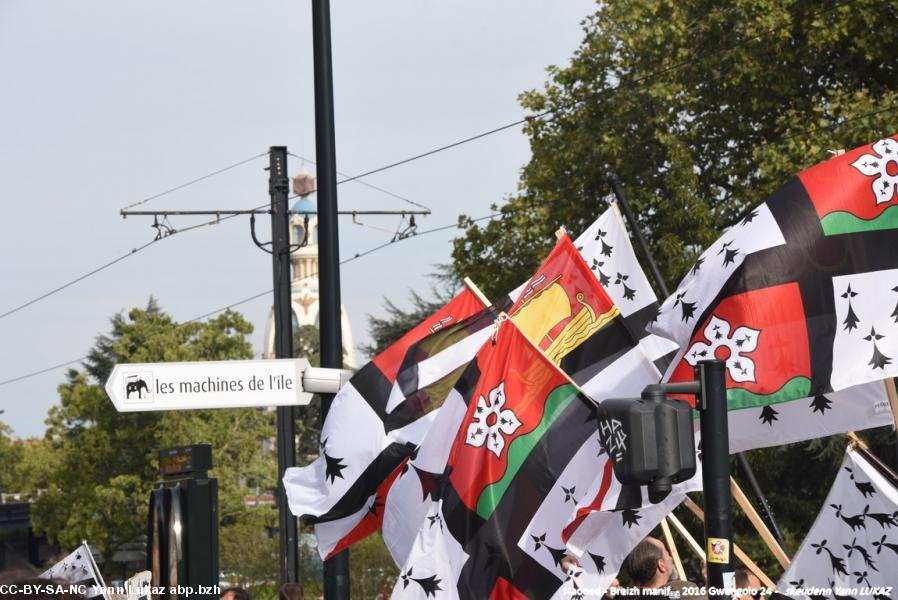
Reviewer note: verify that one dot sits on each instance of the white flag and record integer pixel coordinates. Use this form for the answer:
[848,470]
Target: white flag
[852,548]
[78,568]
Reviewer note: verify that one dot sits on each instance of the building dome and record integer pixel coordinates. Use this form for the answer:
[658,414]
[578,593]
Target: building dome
[304,292]
[305,205]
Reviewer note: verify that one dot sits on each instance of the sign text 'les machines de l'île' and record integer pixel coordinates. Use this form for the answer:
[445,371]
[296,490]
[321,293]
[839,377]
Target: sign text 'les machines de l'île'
[210,384]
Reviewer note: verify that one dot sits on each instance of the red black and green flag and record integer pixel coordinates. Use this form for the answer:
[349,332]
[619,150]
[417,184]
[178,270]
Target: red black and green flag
[799,299]
[377,419]
[518,420]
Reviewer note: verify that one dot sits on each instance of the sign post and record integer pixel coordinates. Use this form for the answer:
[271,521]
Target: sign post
[137,387]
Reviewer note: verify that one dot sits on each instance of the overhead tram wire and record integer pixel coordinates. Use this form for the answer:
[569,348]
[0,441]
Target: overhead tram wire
[830,127]
[79,278]
[253,297]
[145,246]
[638,82]
[366,184]
[342,262]
[112,262]
[627,85]
[197,180]
[42,371]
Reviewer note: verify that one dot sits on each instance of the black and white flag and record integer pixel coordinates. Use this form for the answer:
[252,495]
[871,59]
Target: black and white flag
[852,548]
[78,568]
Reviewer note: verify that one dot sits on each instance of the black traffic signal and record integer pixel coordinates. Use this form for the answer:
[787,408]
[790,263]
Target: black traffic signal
[650,440]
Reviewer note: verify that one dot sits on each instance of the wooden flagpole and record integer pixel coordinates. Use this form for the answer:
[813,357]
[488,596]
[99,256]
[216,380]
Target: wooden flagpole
[753,516]
[98,577]
[856,441]
[476,291]
[742,556]
[668,537]
[690,541]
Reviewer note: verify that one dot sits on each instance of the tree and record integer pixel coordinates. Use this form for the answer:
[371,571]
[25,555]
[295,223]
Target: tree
[371,566]
[101,464]
[397,322]
[702,108]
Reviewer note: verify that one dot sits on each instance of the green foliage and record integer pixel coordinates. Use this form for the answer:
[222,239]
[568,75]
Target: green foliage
[11,454]
[398,321]
[702,108]
[372,568]
[249,554]
[96,465]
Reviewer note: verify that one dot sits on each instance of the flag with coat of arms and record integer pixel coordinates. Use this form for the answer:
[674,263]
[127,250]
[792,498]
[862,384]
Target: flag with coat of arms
[799,299]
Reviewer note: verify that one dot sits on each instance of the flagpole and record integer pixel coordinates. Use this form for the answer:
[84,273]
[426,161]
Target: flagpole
[740,554]
[883,468]
[893,401]
[753,516]
[476,291]
[96,569]
[615,183]
[690,541]
[675,554]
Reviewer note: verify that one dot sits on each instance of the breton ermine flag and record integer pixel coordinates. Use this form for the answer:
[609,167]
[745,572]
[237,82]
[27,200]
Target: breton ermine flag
[799,299]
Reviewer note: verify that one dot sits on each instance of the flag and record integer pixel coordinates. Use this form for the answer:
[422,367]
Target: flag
[609,363]
[600,542]
[485,470]
[78,568]
[606,248]
[852,548]
[564,310]
[799,300]
[380,415]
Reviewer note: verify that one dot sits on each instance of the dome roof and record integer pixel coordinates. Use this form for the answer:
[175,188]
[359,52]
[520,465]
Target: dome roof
[305,205]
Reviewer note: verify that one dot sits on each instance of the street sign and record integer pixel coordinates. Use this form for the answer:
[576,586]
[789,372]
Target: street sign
[136,387]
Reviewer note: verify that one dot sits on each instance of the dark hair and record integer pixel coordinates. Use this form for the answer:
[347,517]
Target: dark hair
[741,576]
[238,593]
[22,578]
[641,564]
[292,591]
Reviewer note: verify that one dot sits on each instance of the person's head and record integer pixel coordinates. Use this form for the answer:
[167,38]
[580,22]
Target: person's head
[649,565]
[292,591]
[745,579]
[234,593]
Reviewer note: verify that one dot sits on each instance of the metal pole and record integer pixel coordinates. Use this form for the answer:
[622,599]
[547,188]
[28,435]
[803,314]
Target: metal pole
[336,570]
[614,182]
[716,472]
[278,187]
[753,484]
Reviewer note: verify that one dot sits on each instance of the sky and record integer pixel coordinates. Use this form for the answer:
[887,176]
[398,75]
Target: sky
[110,102]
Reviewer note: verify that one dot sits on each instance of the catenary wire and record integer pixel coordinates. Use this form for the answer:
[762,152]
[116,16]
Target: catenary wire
[366,184]
[197,180]
[114,261]
[251,298]
[626,85]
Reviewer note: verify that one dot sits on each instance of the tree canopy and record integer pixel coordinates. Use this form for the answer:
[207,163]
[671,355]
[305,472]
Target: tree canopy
[95,466]
[702,108]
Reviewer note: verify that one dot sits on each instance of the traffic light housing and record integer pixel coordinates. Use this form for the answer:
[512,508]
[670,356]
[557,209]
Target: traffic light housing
[650,440]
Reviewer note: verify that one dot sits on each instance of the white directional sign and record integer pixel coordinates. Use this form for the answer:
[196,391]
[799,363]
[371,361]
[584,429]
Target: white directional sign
[138,387]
